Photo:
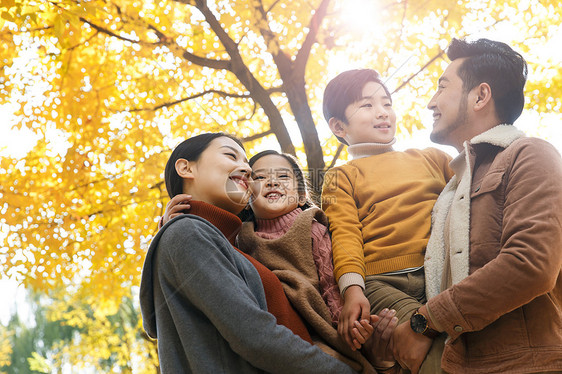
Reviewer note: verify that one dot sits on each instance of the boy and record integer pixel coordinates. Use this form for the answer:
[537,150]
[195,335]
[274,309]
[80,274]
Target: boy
[378,204]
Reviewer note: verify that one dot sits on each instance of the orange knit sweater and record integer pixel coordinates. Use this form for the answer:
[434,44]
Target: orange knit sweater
[379,208]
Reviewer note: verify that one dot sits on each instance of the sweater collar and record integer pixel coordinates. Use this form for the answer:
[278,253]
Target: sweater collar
[226,222]
[279,224]
[362,150]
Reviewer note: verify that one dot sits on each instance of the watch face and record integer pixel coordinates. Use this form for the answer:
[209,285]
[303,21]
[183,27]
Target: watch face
[418,323]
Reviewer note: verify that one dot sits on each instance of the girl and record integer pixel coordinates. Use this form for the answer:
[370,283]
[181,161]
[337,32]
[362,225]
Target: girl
[213,308]
[289,235]
[279,196]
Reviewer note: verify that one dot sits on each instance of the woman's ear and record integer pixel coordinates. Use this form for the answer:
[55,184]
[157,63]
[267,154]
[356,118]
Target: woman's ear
[184,168]
[337,127]
[302,200]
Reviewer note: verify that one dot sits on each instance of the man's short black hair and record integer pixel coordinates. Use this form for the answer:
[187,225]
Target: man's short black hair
[497,64]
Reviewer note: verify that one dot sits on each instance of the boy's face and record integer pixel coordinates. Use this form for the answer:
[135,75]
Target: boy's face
[371,119]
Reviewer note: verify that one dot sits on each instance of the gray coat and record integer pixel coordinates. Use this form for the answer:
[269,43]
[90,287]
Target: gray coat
[205,304]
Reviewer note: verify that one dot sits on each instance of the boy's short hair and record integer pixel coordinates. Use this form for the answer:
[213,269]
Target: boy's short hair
[345,89]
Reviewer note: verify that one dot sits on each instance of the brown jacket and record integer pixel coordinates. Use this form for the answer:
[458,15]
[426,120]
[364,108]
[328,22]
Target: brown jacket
[503,313]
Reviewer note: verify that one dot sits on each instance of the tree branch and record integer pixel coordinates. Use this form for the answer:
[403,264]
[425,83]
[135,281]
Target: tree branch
[336,156]
[281,59]
[165,40]
[245,76]
[398,37]
[272,6]
[275,90]
[404,83]
[257,136]
[225,39]
[108,32]
[247,118]
[165,105]
[314,26]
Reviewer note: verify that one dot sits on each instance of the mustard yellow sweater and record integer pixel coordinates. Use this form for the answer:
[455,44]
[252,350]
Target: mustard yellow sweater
[379,208]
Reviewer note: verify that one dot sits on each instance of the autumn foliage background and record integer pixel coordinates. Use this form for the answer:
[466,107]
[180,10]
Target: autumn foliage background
[108,87]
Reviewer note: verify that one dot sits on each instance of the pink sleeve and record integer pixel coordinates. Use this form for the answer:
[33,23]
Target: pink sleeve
[322,254]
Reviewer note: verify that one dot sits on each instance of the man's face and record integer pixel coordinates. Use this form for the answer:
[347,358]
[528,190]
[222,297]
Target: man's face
[449,106]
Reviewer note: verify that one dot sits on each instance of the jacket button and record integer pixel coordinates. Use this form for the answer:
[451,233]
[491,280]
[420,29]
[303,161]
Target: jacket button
[457,328]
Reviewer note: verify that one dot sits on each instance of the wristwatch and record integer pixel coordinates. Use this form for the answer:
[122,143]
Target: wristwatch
[419,324]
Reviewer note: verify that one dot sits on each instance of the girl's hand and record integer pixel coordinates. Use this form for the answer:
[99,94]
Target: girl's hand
[179,204]
[362,331]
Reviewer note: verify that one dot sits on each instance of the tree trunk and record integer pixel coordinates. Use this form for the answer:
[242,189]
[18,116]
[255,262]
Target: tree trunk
[298,102]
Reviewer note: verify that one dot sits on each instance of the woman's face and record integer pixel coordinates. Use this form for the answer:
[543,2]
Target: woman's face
[220,176]
[275,188]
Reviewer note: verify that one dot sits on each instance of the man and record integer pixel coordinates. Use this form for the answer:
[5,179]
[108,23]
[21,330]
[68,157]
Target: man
[493,262]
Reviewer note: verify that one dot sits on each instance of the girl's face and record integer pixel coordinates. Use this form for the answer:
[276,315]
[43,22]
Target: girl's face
[219,177]
[275,188]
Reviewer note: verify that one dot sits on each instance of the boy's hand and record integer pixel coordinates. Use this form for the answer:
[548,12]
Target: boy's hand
[356,307]
[179,204]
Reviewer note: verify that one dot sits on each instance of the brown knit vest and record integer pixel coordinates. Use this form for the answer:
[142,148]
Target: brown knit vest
[279,251]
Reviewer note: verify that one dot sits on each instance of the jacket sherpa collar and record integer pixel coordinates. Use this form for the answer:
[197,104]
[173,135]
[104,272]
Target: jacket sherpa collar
[457,193]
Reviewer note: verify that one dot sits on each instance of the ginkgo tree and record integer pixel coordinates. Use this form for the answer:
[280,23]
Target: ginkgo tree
[108,87]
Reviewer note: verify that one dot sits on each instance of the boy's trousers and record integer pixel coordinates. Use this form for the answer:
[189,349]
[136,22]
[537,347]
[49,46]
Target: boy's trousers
[404,293]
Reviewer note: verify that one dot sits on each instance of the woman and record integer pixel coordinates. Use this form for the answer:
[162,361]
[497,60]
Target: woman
[212,308]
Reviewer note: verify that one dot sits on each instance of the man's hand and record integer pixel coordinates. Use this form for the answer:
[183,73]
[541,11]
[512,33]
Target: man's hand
[356,307]
[179,204]
[409,347]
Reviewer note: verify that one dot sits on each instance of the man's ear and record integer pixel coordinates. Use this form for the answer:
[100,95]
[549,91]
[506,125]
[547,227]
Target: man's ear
[184,168]
[483,96]
[337,127]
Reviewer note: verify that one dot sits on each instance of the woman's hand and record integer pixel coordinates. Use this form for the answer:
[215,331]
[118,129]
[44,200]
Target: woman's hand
[356,307]
[179,204]
[380,346]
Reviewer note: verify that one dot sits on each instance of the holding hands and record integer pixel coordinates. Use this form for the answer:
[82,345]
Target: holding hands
[354,316]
